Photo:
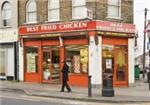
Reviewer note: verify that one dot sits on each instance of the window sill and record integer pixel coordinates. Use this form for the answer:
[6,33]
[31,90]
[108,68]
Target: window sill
[30,23]
[79,74]
[5,27]
[53,21]
[80,19]
[114,18]
[27,72]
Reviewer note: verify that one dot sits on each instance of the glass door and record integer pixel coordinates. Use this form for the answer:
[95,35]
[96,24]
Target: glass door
[120,74]
[47,63]
[51,64]
[108,61]
[55,64]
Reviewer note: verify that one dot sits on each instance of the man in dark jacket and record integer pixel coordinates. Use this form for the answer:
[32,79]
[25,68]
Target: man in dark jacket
[65,78]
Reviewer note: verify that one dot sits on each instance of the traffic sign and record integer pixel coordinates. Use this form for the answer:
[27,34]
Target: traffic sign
[148,34]
[147,27]
[148,46]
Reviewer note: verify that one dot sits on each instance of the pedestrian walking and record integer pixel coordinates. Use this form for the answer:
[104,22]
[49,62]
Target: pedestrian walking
[65,77]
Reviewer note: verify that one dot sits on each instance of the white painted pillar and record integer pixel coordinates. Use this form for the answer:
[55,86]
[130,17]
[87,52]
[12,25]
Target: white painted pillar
[131,60]
[21,75]
[92,61]
[95,61]
[100,59]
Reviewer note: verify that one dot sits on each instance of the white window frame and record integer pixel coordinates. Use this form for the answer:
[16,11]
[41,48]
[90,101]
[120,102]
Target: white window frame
[51,9]
[119,10]
[76,5]
[29,12]
[4,14]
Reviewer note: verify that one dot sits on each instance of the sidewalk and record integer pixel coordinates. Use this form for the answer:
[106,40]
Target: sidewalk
[139,92]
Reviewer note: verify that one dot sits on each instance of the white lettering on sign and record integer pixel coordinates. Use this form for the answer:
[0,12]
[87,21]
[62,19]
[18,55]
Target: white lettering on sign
[116,29]
[116,25]
[56,27]
[72,25]
[48,27]
[32,29]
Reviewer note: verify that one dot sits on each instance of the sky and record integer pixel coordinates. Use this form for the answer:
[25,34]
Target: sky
[139,6]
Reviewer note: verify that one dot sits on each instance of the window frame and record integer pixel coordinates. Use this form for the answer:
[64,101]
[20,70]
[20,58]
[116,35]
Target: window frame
[118,8]
[3,13]
[53,9]
[29,12]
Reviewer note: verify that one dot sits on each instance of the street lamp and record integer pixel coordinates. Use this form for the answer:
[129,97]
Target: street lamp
[148,74]
[145,18]
[147,30]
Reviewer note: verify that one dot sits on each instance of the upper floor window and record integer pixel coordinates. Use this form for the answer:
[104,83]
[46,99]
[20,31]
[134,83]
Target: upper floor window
[53,10]
[79,10]
[114,8]
[6,14]
[31,12]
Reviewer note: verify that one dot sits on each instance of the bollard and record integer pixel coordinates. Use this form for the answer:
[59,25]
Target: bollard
[89,86]
[107,89]
[148,78]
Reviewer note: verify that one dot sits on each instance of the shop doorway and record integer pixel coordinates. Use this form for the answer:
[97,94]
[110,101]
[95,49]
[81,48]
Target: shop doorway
[51,64]
[114,64]
[2,64]
[108,61]
[120,66]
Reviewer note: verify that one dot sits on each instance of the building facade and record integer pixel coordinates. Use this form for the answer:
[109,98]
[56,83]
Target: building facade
[95,38]
[8,39]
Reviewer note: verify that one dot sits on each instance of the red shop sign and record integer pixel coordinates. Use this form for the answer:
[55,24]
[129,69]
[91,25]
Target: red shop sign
[115,27]
[59,27]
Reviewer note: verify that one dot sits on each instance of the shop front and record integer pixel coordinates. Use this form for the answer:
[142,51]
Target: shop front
[89,47]
[43,60]
[116,51]
[115,60]
[45,47]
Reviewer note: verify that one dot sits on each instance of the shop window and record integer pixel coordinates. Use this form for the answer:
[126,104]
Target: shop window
[32,59]
[114,9]
[31,12]
[79,10]
[6,14]
[77,58]
[53,10]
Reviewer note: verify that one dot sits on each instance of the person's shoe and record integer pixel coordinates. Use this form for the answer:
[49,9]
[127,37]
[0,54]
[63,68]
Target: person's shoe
[61,91]
[69,90]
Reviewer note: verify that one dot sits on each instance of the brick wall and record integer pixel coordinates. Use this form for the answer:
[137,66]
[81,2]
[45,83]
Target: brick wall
[127,11]
[42,8]
[22,11]
[65,10]
[99,8]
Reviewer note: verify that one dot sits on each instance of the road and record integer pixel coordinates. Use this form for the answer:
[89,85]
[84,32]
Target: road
[19,98]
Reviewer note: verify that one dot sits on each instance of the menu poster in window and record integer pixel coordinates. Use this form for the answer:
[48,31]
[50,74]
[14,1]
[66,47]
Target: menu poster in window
[31,62]
[76,60]
[108,63]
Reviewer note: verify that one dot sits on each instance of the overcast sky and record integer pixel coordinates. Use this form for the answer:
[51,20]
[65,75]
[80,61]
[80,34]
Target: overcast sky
[139,6]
